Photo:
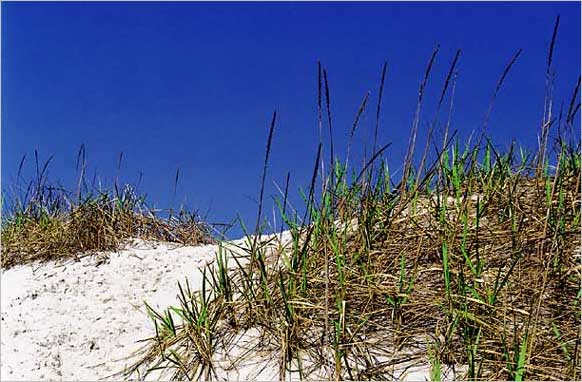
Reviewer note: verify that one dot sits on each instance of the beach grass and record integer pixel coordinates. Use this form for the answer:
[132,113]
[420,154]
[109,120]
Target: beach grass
[475,268]
[44,221]
[470,262]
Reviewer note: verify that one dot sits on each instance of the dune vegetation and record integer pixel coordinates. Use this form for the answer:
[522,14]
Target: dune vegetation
[43,221]
[470,259]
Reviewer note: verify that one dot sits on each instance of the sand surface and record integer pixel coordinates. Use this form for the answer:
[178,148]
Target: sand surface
[81,320]
[78,320]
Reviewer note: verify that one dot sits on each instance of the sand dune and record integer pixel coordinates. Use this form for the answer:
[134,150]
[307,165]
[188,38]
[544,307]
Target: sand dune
[81,320]
[78,320]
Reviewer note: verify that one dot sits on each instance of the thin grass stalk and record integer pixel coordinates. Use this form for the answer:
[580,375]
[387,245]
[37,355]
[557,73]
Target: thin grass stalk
[329,124]
[573,108]
[263,177]
[354,126]
[497,89]
[548,99]
[81,159]
[319,102]
[371,161]
[412,140]
[379,106]
[439,104]
[285,199]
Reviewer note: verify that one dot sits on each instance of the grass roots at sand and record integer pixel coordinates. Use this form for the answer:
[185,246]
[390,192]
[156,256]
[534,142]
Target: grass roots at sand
[476,266]
[471,262]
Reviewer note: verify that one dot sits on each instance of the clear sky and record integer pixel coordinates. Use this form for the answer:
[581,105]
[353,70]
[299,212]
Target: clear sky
[193,85]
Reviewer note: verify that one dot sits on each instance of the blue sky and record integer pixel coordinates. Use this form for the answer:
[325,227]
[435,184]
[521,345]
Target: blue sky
[193,85]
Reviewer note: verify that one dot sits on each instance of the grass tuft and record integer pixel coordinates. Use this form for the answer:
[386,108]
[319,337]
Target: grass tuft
[49,223]
[470,266]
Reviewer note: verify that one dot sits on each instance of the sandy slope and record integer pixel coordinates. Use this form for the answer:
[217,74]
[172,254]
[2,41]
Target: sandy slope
[82,319]
[76,321]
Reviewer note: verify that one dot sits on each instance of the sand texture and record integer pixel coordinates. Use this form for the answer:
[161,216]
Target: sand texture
[83,319]
[78,320]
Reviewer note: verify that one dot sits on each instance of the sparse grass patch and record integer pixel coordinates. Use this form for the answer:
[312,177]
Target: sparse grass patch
[50,223]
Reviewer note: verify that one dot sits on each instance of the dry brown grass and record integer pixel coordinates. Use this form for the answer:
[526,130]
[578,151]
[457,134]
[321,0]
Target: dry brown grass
[50,225]
[472,262]
[476,266]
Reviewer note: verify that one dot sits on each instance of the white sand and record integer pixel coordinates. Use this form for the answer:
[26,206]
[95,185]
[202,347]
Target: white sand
[82,319]
[78,320]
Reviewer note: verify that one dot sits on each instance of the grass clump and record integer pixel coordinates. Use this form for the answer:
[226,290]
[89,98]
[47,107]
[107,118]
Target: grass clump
[49,222]
[475,268]
[468,263]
